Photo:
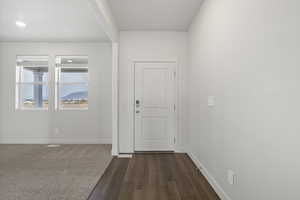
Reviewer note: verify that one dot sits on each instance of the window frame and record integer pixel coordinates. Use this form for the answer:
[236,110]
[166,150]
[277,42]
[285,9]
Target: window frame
[19,106]
[58,83]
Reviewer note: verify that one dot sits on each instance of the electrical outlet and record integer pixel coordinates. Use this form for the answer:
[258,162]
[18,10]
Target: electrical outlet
[231,177]
[56,131]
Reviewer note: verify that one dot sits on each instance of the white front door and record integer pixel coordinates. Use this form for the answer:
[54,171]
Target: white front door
[155,106]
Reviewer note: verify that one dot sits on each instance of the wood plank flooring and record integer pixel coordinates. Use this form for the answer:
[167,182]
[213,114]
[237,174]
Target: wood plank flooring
[152,176]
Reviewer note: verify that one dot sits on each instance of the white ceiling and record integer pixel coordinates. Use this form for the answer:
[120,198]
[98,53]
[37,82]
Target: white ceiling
[154,14]
[50,21]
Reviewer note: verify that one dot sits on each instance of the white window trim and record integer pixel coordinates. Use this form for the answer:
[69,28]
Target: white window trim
[19,83]
[58,68]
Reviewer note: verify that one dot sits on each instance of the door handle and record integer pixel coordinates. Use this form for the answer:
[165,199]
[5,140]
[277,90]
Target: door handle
[137,103]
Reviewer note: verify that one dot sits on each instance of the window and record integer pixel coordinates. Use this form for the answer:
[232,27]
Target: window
[32,82]
[71,82]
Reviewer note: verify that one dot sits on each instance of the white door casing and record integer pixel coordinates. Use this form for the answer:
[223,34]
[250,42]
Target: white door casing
[155,106]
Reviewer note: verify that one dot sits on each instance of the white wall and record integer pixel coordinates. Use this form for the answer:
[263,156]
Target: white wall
[92,126]
[146,46]
[246,54]
[1,86]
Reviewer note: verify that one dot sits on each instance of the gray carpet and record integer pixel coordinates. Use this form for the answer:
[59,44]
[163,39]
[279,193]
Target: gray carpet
[35,172]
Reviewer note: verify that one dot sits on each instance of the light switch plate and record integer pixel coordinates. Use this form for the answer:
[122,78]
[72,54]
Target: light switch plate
[211,101]
[231,177]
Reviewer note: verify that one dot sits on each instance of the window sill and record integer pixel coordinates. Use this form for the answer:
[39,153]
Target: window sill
[72,109]
[31,109]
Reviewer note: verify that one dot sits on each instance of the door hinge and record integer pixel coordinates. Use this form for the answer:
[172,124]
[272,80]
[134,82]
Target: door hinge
[174,107]
[174,140]
[174,73]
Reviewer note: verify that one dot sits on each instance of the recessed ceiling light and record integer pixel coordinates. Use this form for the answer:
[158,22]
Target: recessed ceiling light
[69,61]
[20,24]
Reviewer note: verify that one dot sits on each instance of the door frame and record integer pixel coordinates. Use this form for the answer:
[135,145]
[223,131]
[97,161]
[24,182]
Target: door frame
[176,96]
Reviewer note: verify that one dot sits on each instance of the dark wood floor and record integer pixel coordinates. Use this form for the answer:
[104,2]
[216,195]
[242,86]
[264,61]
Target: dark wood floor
[153,177]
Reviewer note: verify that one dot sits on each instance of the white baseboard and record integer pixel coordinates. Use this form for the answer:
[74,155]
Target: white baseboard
[212,181]
[114,152]
[125,156]
[55,140]
[179,149]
